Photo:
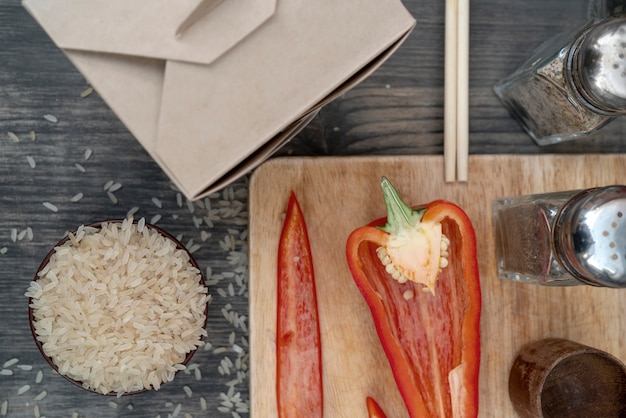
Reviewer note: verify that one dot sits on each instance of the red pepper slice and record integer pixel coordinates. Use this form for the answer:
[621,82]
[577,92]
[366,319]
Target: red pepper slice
[298,341]
[373,409]
[429,328]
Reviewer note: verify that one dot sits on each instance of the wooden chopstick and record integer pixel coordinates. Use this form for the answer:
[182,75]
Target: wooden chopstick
[462,99]
[456,91]
[450,89]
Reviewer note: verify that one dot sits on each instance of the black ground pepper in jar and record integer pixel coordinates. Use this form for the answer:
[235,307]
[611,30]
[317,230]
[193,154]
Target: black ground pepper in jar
[572,85]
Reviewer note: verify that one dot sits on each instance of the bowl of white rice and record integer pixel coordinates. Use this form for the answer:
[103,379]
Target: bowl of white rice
[118,307]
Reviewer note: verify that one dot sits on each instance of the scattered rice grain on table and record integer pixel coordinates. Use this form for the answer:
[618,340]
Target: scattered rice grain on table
[51,118]
[77,197]
[13,137]
[86,93]
[31,161]
[22,234]
[41,395]
[115,187]
[51,207]
[33,135]
[108,185]
[10,362]
[80,167]
[112,197]
[23,389]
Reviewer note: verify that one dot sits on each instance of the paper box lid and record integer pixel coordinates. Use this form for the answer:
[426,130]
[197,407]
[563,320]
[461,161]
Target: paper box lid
[213,101]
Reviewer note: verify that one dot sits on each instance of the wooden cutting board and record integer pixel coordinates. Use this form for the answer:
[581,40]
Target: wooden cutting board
[339,194]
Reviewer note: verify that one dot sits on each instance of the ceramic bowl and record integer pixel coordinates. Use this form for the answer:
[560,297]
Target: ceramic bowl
[45,262]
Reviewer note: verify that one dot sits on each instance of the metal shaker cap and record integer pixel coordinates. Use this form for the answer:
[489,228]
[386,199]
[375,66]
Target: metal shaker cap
[597,62]
[590,236]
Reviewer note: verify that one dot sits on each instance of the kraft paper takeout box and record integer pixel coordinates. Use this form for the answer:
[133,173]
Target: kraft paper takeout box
[211,88]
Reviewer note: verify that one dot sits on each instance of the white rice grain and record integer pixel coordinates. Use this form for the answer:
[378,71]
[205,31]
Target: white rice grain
[108,185]
[10,362]
[31,161]
[86,93]
[4,408]
[177,410]
[115,187]
[39,377]
[132,212]
[13,137]
[88,153]
[155,219]
[13,234]
[188,391]
[22,234]
[80,167]
[51,118]
[36,412]
[203,405]
[77,197]
[41,395]
[6,372]
[157,202]
[23,389]
[3,250]
[51,207]
[25,367]
[112,197]
[33,135]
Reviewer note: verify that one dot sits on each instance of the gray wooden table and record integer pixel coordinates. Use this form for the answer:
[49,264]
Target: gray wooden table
[398,110]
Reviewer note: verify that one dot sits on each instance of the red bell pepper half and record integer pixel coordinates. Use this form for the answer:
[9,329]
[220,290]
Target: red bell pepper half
[418,272]
[298,342]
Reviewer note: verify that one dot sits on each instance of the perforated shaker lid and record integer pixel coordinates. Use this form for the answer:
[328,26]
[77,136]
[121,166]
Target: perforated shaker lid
[590,236]
[598,63]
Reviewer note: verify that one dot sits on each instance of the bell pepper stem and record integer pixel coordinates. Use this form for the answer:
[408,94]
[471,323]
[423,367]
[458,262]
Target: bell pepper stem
[399,215]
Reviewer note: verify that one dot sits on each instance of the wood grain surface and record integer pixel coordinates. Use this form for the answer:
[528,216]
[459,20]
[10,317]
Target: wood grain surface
[340,194]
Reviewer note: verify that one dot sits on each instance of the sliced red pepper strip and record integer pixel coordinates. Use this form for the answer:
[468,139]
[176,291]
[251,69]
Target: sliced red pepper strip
[298,341]
[373,409]
[432,340]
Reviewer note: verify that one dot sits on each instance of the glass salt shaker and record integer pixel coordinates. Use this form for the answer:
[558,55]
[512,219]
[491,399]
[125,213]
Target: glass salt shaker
[563,238]
[573,85]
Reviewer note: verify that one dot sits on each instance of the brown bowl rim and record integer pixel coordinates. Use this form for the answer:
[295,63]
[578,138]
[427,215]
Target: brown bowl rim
[46,260]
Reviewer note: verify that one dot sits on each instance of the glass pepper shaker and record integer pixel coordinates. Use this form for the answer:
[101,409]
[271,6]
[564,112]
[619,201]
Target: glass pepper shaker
[563,238]
[572,85]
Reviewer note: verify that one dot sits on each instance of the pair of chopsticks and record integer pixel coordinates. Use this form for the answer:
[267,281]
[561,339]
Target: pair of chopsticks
[456,91]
